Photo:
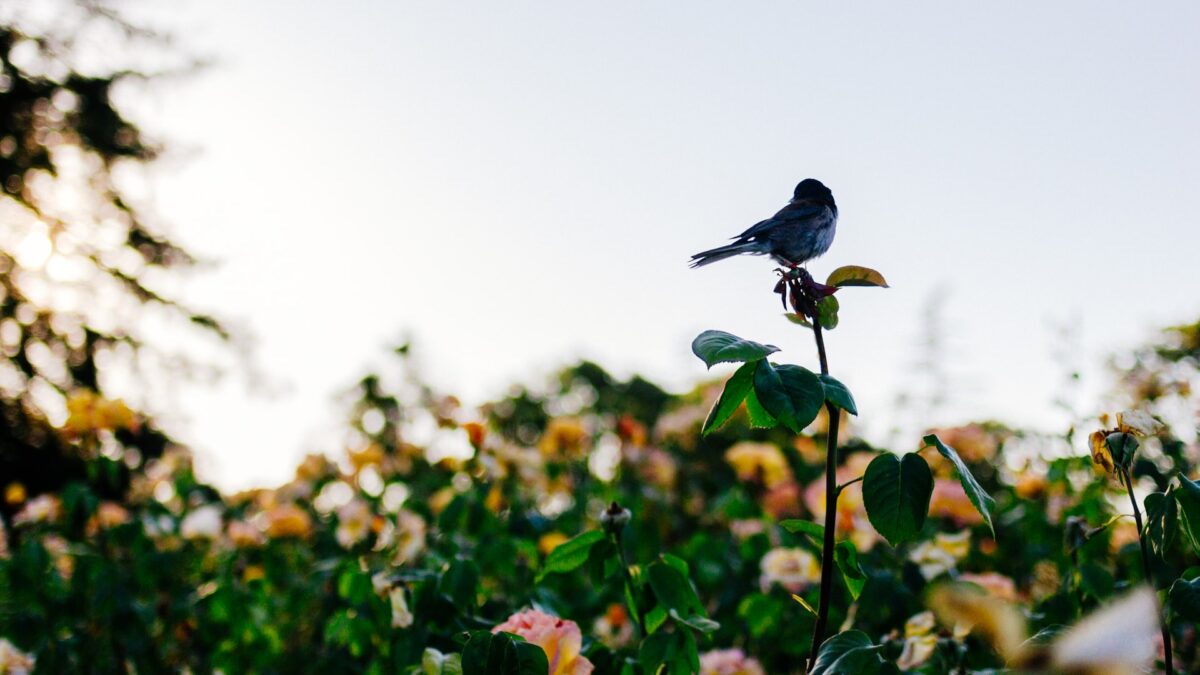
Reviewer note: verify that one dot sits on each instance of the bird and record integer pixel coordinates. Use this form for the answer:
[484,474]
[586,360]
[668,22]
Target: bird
[799,232]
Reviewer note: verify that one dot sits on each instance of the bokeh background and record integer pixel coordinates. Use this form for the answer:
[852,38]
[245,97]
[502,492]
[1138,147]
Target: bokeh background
[515,186]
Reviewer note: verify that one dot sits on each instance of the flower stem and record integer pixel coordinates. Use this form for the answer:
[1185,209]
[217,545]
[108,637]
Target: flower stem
[635,614]
[1137,518]
[831,498]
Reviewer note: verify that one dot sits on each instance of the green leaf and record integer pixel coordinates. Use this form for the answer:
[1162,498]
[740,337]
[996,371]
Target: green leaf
[797,526]
[854,275]
[524,658]
[827,312]
[798,319]
[700,623]
[1188,496]
[981,500]
[655,618]
[673,588]
[475,653]
[846,557]
[460,583]
[1162,520]
[571,554]
[759,417]
[1184,597]
[849,653]
[715,346]
[791,394]
[669,653]
[837,394]
[735,391]
[896,493]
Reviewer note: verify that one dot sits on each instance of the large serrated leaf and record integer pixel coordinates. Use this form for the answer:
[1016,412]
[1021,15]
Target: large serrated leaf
[849,653]
[736,388]
[838,394]
[570,554]
[791,394]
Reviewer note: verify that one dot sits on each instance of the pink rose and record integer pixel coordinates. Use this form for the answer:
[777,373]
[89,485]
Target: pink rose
[559,638]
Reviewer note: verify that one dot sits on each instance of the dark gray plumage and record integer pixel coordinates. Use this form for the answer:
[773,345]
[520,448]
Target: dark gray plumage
[801,231]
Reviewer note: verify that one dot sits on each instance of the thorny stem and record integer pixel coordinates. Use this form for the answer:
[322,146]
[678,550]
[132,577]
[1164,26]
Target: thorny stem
[1137,518]
[831,497]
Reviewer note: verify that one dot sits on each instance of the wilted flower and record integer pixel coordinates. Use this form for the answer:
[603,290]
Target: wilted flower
[614,628]
[13,661]
[761,462]
[45,508]
[791,568]
[920,641]
[559,638]
[202,523]
[288,520]
[354,523]
[410,536]
[994,583]
[729,662]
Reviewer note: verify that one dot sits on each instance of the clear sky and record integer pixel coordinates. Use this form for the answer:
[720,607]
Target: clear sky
[519,184]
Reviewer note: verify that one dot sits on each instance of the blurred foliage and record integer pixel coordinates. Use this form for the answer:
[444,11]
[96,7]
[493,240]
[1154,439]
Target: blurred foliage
[81,262]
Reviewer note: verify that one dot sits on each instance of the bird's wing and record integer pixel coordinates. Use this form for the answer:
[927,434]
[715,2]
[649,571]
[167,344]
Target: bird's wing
[794,211]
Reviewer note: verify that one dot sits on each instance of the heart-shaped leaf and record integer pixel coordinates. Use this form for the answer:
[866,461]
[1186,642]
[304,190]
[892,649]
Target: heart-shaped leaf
[849,652]
[854,275]
[896,493]
[981,500]
[715,346]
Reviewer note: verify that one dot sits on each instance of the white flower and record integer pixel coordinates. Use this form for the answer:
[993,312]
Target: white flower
[792,568]
[41,509]
[202,523]
[410,536]
[401,616]
[14,661]
[354,523]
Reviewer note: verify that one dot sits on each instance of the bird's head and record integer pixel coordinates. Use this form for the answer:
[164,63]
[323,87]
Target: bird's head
[812,189]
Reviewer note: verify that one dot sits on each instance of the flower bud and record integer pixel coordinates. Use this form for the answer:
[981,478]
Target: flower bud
[614,518]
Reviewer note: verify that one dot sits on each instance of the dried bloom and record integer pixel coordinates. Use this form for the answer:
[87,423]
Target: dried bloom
[759,462]
[202,523]
[729,662]
[792,568]
[1101,456]
[559,638]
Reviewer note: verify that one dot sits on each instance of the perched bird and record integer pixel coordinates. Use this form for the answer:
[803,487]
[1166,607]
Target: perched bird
[801,231]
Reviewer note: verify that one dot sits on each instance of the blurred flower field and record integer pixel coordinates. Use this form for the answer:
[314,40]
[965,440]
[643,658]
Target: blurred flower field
[440,526]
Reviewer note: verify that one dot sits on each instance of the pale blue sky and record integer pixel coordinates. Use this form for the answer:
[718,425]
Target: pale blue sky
[519,184]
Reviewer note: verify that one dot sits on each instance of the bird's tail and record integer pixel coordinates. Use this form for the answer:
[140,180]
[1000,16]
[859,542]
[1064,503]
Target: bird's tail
[723,252]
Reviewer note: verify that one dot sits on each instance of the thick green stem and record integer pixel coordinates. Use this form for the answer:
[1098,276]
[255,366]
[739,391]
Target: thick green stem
[1137,518]
[831,497]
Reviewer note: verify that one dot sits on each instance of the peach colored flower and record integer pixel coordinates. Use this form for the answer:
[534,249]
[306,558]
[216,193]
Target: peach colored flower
[45,508]
[972,441]
[994,583]
[13,661]
[761,462]
[782,501]
[949,500]
[729,662]
[108,515]
[920,641]
[559,638]
[852,511]
[244,535]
